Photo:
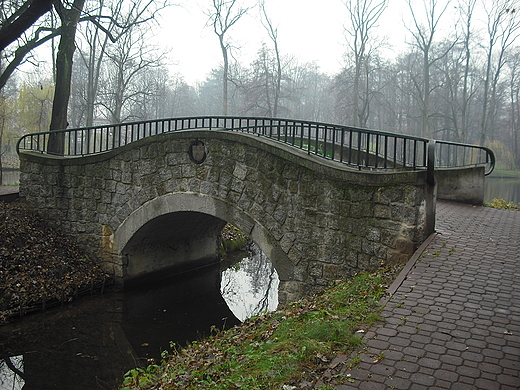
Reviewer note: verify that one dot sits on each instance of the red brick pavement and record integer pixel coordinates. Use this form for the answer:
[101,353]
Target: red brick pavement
[454,322]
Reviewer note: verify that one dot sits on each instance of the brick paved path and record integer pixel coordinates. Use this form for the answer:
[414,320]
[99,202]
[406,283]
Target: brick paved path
[454,323]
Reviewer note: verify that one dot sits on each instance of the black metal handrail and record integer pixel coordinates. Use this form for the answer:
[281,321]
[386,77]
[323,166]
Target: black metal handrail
[360,148]
[453,154]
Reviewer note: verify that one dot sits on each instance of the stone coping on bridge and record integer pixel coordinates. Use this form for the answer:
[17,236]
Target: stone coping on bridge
[321,219]
[293,154]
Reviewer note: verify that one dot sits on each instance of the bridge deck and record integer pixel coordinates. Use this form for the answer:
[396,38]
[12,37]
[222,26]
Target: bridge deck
[454,322]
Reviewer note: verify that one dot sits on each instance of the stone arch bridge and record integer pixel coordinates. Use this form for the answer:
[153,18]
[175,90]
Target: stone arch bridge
[322,201]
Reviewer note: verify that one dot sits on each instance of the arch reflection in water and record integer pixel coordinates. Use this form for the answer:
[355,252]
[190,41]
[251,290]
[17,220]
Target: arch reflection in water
[11,373]
[250,285]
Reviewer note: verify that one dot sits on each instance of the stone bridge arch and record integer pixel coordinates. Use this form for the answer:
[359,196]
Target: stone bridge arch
[179,231]
[316,219]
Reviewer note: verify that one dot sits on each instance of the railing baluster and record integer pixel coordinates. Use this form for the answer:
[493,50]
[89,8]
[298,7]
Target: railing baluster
[376,152]
[342,134]
[367,163]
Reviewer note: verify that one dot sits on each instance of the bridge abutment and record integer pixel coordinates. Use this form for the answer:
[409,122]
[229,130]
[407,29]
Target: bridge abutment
[150,205]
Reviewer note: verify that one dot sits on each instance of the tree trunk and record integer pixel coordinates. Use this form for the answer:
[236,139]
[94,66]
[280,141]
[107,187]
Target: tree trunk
[225,75]
[69,22]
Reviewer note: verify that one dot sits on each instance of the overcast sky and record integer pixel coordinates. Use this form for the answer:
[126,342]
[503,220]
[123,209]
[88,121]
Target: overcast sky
[308,30]
[311,30]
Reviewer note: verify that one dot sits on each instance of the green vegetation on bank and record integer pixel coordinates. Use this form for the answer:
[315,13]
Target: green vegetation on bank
[503,205]
[290,346]
[506,174]
[233,239]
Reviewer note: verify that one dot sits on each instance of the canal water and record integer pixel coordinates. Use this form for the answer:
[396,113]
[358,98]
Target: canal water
[502,188]
[91,343]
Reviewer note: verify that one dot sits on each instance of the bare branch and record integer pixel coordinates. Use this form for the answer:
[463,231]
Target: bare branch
[22,52]
[14,26]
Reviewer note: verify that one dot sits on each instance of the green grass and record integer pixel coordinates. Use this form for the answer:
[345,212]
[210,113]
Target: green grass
[267,351]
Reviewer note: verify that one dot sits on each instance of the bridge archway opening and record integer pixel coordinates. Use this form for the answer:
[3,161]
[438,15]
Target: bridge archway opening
[172,243]
[181,232]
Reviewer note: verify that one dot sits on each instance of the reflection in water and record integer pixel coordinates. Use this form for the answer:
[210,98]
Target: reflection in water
[11,373]
[502,188]
[250,287]
[91,343]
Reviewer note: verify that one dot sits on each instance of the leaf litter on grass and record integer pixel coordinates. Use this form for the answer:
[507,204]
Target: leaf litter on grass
[290,347]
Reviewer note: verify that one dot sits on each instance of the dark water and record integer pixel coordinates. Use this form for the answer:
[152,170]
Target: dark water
[500,188]
[91,343]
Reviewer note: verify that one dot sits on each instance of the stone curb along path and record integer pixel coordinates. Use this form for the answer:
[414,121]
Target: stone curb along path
[452,317]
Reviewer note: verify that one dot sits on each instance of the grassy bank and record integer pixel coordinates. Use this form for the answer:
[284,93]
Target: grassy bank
[289,347]
[502,173]
[503,205]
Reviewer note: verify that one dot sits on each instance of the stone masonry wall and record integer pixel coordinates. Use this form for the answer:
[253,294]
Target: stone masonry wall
[329,221]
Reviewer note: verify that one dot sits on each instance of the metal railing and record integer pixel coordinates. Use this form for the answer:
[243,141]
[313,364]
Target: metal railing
[456,155]
[360,148]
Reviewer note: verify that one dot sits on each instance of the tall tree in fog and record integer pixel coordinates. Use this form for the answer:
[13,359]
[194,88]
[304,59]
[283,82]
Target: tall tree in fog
[424,41]
[503,27]
[272,31]
[127,59]
[309,96]
[119,18]
[69,17]
[514,104]
[91,51]
[260,85]
[223,15]
[363,18]
[467,9]
[70,13]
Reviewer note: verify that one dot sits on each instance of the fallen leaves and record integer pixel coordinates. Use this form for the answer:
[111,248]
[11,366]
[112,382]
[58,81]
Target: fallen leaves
[37,263]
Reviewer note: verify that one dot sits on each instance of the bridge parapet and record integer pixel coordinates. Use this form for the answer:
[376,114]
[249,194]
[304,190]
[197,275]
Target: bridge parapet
[163,196]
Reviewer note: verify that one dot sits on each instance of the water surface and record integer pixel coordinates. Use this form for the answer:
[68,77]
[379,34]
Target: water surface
[91,343]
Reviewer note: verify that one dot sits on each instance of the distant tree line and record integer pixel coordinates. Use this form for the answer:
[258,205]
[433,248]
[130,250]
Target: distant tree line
[462,86]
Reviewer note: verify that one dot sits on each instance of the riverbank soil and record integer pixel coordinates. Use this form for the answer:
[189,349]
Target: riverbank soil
[39,266]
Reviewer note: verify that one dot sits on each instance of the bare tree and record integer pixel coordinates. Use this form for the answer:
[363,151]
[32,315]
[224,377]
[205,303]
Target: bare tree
[364,16]
[423,42]
[110,21]
[69,17]
[92,58]
[514,104]
[17,17]
[70,13]
[273,35]
[467,8]
[224,15]
[503,28]
[22,30]
[128,59]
